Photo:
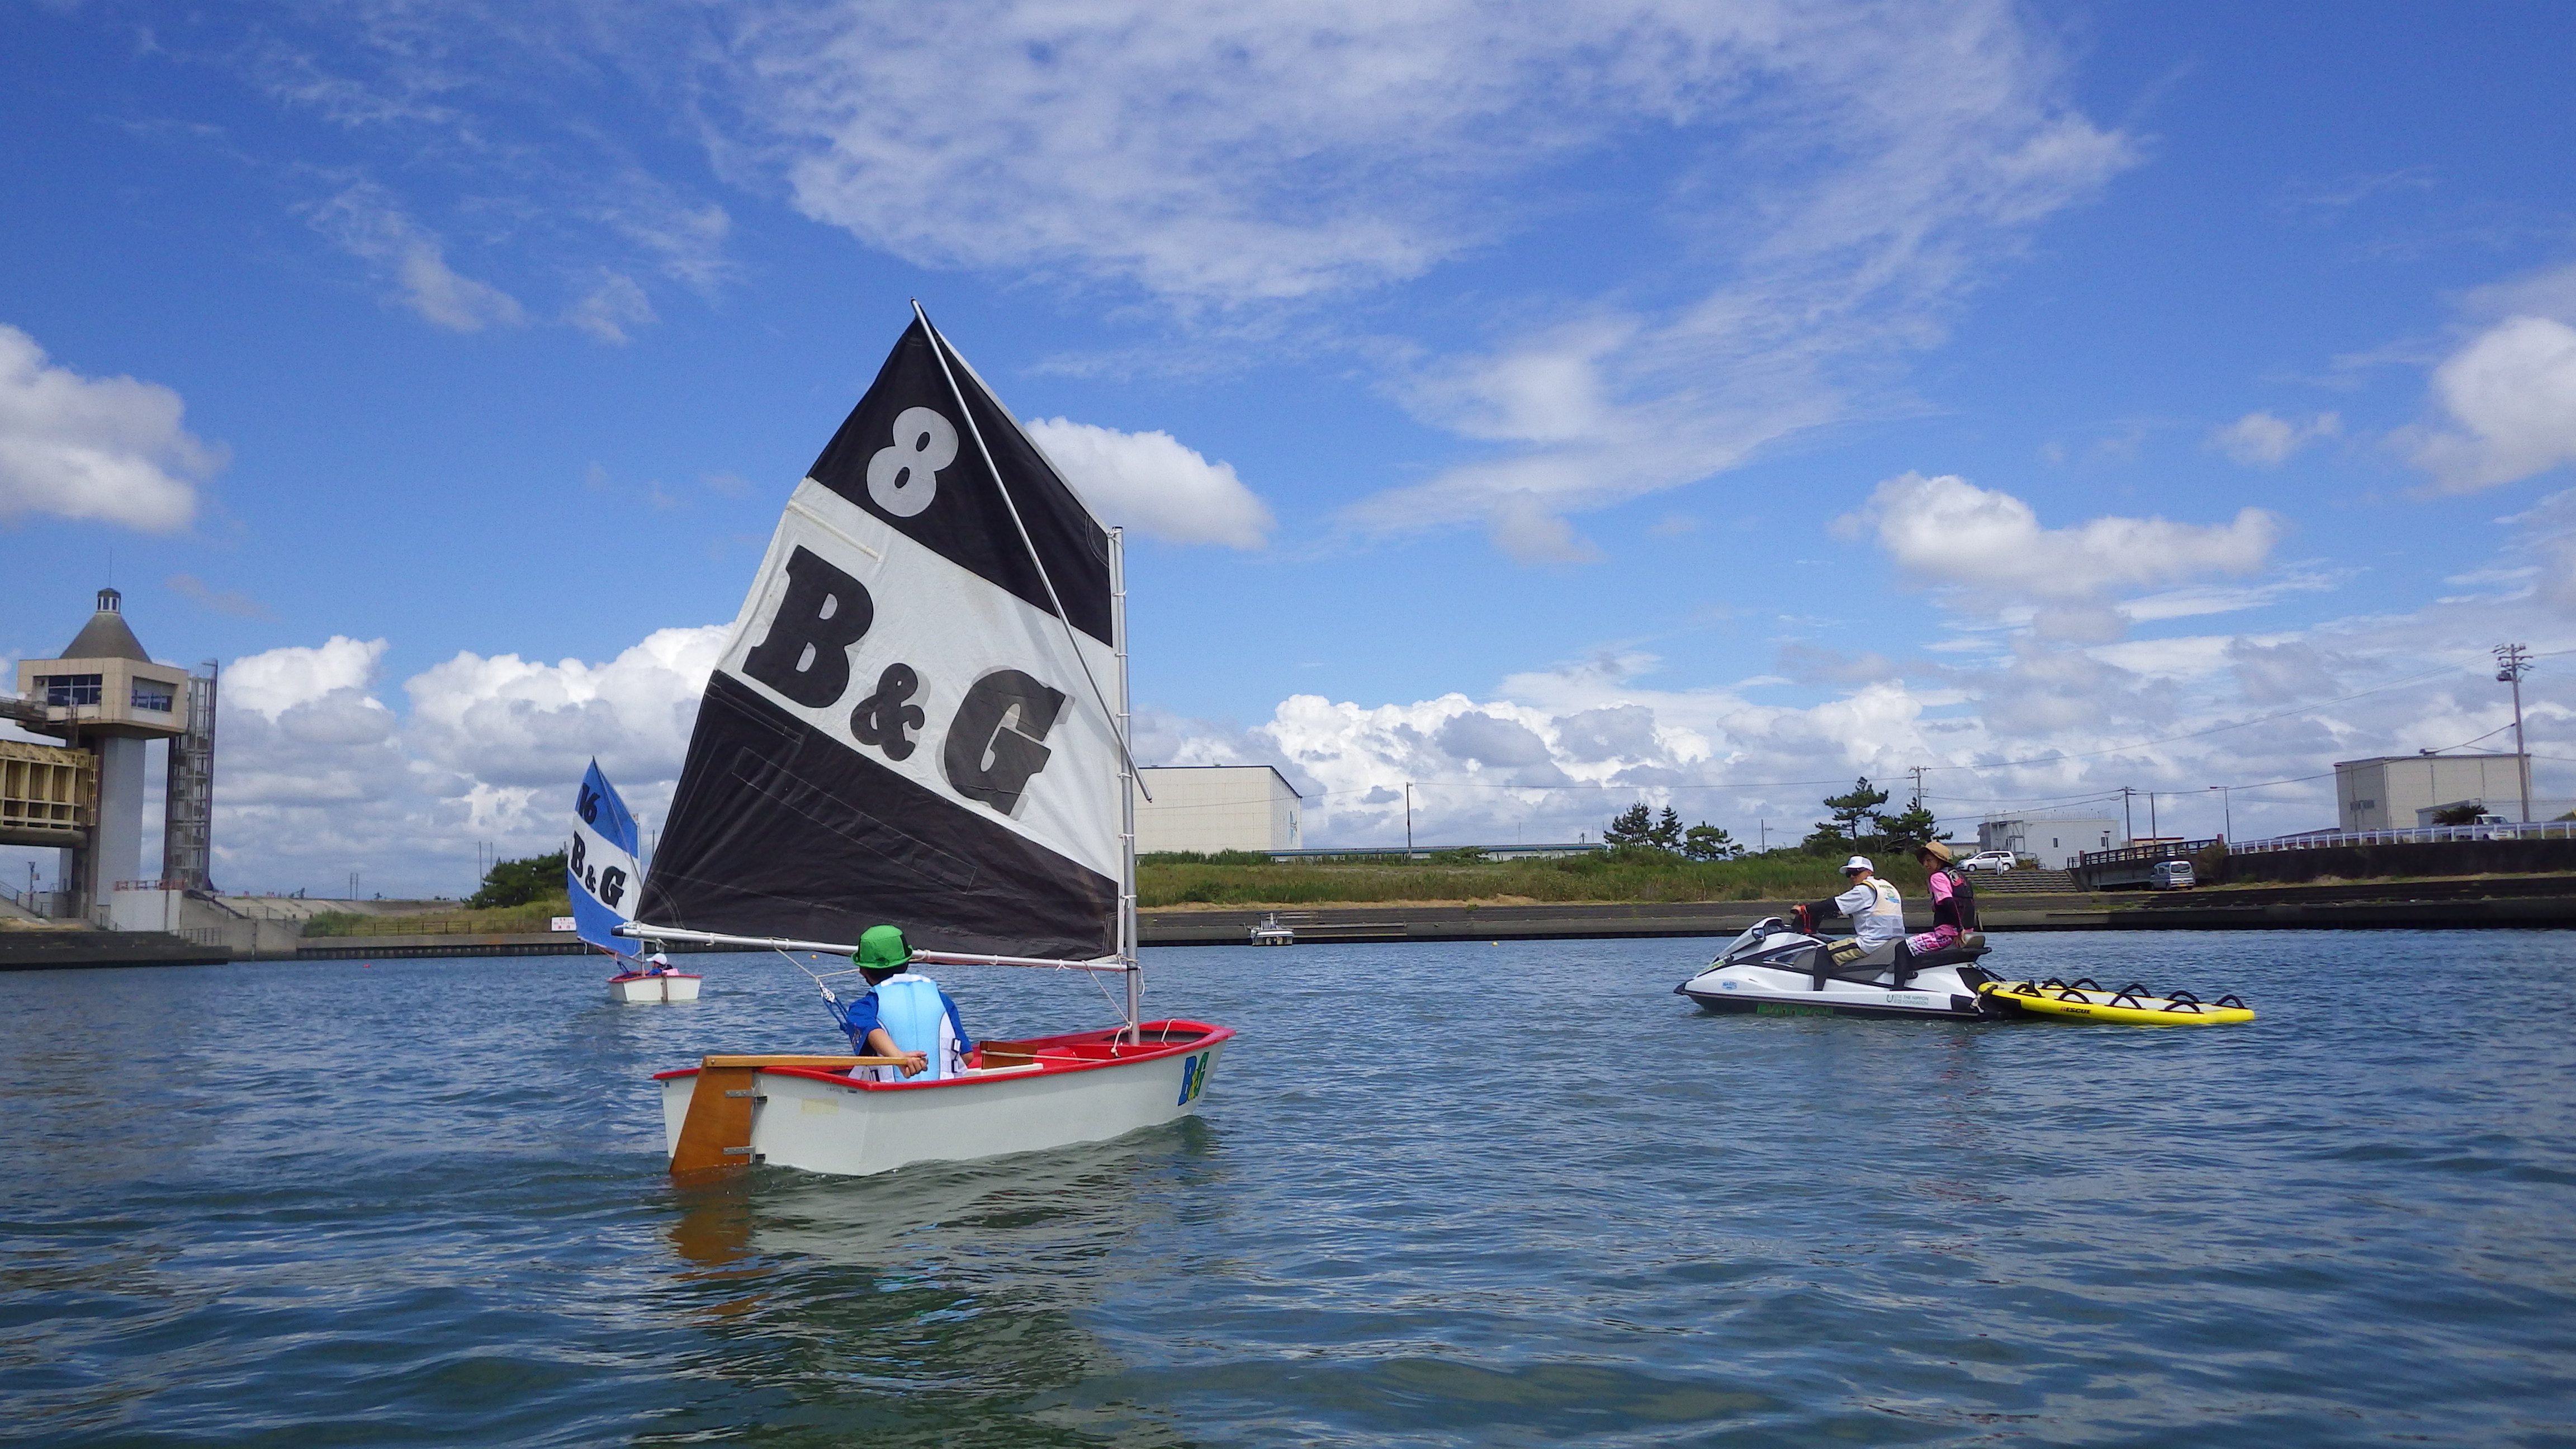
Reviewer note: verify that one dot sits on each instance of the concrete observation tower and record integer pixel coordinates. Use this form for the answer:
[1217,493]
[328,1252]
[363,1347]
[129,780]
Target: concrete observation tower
[106,700]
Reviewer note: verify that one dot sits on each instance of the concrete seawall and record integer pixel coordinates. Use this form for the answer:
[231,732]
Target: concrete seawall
[2538,901]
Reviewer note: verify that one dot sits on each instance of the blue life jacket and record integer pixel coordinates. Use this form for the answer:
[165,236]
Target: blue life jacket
[910,1010]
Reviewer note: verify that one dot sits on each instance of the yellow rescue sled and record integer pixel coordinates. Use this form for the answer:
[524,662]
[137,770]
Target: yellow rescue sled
[2131,1005]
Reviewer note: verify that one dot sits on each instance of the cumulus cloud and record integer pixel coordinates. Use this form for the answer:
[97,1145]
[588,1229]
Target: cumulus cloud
[2510,399]
[280,679]
[318,775]
[1482,738]
[508,721]
[2263,440]
[109,448]
[1154,484]
[1988,547]
[364,222]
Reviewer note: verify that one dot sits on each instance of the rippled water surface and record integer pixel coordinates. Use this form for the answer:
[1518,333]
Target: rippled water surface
[1451,1194]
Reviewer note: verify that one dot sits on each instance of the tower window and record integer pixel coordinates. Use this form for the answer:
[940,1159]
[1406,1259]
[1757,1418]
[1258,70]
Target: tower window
[62,691]
[152,695]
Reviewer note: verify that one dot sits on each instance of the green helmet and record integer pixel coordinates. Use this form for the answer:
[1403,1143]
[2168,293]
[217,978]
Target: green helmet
[881,948]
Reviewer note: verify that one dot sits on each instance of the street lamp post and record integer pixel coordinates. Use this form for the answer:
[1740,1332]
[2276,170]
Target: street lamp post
[2227,817]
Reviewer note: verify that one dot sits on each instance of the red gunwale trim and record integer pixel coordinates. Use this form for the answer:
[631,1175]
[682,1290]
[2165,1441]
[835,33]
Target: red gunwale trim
[1149,1052]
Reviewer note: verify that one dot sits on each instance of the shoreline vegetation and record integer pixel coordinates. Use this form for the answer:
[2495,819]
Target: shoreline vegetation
[1630,877]
[460,920]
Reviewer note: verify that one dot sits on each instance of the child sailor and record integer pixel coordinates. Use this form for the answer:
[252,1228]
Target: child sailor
[903,1015]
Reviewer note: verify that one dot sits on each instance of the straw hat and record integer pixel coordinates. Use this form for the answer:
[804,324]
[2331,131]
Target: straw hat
[1934,849]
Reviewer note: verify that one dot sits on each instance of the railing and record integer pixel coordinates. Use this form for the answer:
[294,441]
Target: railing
[2145,854]
[2432,834]
[45,905]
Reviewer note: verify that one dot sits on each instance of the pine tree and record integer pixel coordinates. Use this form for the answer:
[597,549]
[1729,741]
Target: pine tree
[1707,842]
[1631,826]
[1667,834]
[1849,812]
[1907,830]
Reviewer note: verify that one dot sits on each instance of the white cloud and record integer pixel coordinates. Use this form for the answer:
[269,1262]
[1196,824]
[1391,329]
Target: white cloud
[1895,158]
[280,679]
[1152,483]
[612,307]
[1521,525]
[2511,399]
[110,448]
[2262,440]
[318,776]
[1987,549]
[506,721]
[364,222]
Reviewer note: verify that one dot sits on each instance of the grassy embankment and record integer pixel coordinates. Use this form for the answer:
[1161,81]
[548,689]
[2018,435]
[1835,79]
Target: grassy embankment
[1241,879]
[1244,878]
[535,916]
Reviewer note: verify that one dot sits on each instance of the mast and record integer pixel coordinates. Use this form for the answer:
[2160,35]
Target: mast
[1126,791]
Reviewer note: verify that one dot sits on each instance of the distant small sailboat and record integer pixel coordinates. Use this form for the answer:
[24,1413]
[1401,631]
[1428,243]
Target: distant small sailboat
[909,725]
[602,877]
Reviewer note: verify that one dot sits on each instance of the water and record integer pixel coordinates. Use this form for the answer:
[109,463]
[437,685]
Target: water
[1441,1195]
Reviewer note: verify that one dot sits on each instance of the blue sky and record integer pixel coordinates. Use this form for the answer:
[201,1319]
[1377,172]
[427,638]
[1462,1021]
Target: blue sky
[1666,401]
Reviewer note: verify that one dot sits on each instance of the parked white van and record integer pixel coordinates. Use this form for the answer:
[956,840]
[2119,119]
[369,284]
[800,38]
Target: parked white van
[2171,875]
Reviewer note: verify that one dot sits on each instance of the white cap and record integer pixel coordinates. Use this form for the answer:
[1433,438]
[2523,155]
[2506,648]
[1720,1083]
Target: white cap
[1857,862]
[658,959]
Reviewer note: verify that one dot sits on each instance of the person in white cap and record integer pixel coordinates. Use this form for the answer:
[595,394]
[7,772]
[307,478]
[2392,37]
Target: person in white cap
[1877,912]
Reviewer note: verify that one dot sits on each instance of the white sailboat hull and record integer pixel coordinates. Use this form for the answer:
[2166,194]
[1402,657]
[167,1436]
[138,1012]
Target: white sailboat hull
[822,1121]
[653,988]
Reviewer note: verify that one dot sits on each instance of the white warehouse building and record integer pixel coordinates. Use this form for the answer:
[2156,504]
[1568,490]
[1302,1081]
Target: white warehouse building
[2388,792]
[1217,807]
[2053,843]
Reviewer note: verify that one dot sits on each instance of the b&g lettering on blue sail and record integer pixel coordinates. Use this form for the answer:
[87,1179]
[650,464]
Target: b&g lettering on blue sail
[599,867]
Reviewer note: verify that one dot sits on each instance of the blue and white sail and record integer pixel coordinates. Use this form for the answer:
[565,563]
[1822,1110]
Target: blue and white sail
[601,872]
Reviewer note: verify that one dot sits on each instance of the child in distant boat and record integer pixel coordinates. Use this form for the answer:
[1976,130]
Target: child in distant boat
[904,1014]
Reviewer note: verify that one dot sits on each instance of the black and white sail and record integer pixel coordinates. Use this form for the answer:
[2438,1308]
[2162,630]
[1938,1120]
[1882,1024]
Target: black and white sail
[905,724]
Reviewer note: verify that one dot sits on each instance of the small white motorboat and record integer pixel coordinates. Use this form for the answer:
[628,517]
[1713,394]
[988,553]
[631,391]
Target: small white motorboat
[909,725]
[1271,933]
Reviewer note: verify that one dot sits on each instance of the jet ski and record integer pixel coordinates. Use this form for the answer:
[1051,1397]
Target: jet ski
[1774,970]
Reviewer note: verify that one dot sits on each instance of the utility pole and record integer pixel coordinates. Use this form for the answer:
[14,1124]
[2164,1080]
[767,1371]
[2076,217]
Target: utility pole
[2152,832]
[2514,661]
[2126,828]
[1765,827]
[2227,817]
[1408,820]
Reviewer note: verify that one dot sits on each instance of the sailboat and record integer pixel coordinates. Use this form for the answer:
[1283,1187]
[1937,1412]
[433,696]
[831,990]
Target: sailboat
[603,877]
[920,718]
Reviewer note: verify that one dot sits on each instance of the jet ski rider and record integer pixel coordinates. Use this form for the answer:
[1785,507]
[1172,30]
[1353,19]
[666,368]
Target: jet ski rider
[1877,912]
[1954,901]
[903,1015]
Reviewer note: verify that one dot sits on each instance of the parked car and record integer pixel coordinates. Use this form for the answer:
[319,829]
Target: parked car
[1994,860]
[2171,875]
